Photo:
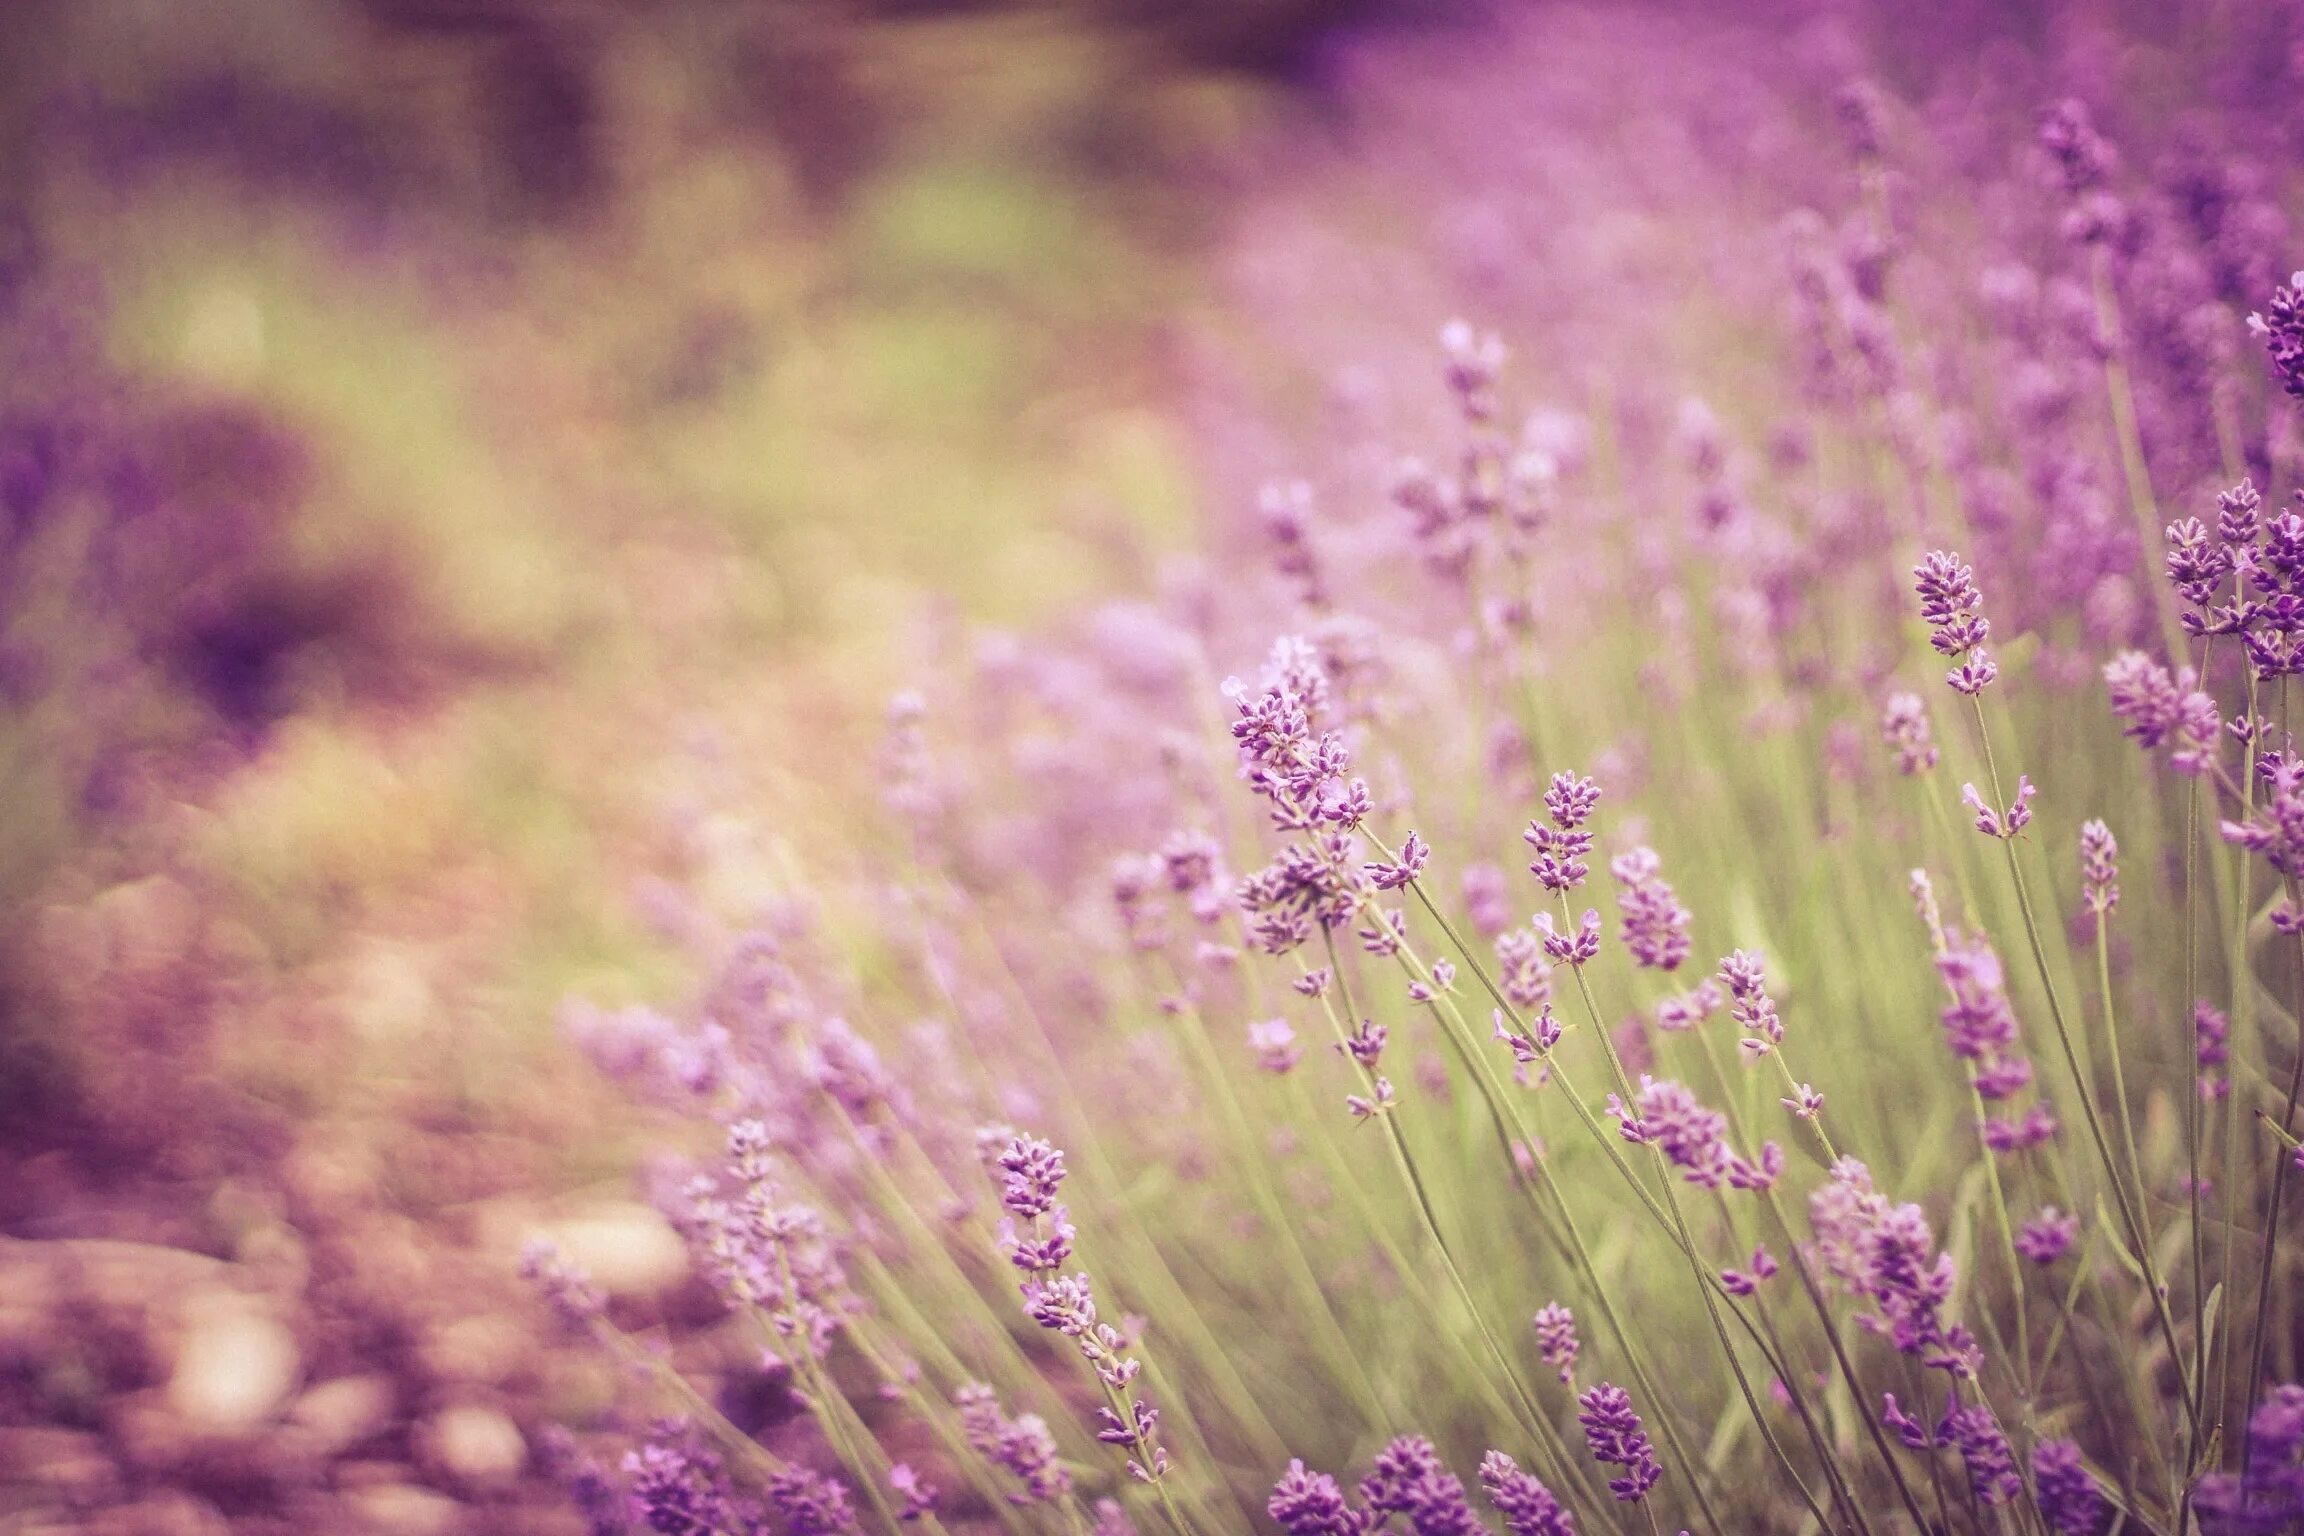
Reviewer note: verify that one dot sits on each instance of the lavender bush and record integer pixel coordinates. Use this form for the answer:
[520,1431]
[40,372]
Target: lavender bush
[1722,966]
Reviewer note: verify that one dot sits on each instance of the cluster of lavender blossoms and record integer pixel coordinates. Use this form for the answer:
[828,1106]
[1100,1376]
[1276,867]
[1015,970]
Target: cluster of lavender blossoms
[1038,1240]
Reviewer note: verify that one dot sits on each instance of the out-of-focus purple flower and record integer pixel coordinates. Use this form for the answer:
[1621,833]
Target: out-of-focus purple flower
[1528,1507]
[1886,1254]
[2099,869]
[1683,1011]
[2276,832]
[1654,924]
[1998,823]
[2155,707]
[1022,1446]
[2268,1498]
[810,1504]
[1525,978]
[678,1486]
[2070,1501]
[569,1290]
[916,1494]
[2280,326]
[2082,159]
[1904,726]
[1556,1342]
[2048,1236]
[1747,1281]
[1612,1431]
[1274,1043]
[2213,1032]
[1487,899]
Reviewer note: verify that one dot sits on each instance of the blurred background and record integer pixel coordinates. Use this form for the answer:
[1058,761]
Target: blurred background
[419,420]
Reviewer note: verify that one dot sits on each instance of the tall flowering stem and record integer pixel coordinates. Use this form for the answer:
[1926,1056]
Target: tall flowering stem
[1931,578]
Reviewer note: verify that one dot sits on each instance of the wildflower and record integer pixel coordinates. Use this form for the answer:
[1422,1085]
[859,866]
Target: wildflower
[1692,1137]
[2070,1501]
[2157,707]
[1486,899]
[1655,925]
[2213,1032]
[1886,1254]
[1274,1043]
[1409,1479]
[2269,1495]
[1806,1103]
[569,1290]
[917,1494]
[1983,1446]
[2048,1236]
[2283,334]
[1534,1046]
[2001,824]
[1308,1503]
[1391,877]
[1578,948]
[1951,605]
[1021,1446]
[1747,1282]
[811,1505]
[1526,979]
[1556,1342]
[2082,159]
[1612,1432]
[1685,1010]
[1528,1507]
[2099,869]
[1745,975]
[1562,847]
[1904,726]
[677,1485]
[2276,831]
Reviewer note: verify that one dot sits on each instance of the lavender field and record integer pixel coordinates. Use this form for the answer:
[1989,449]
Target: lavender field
[1072,768]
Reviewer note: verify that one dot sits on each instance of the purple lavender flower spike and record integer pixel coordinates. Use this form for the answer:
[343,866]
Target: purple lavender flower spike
[2070,1501]
[2280,326]
[1655,925]
[2099,869]
[1977,1436]
[2048,1236]
[1556,1342]
[1612,1432]
[1309,1503]
[1528,1507]
[1951,605]
[1904,726]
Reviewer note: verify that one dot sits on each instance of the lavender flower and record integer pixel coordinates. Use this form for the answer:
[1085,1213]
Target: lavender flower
[1528,1507]
[2070,1501]
[1612,1432]
[570,1291]
[1904,726]
[678,1486]
[1683,1011]
[810,1504]
[1274,1042]
[1996,823]
[2213,1032]
[1578,948]
[1409,1479]
[1745,974]
[2268,1498]
[1556,1342]
[916,1493]
[2099,869]
[1562,847]
[1885,1253]
[1391,877]
[1951,605]
[1021,1446]
[2157,707]
[2281,328]
[1655,925]
[1525,978]
[1983,1446]
[2048,1236]
[1692,1137]
[1311,1504]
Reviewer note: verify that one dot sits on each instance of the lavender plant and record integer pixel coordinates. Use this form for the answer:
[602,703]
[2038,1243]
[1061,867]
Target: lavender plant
[1922,1211]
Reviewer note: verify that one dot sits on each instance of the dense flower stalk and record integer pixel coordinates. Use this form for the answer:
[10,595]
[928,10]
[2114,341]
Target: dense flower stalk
[1612,1431]
[1953,610]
